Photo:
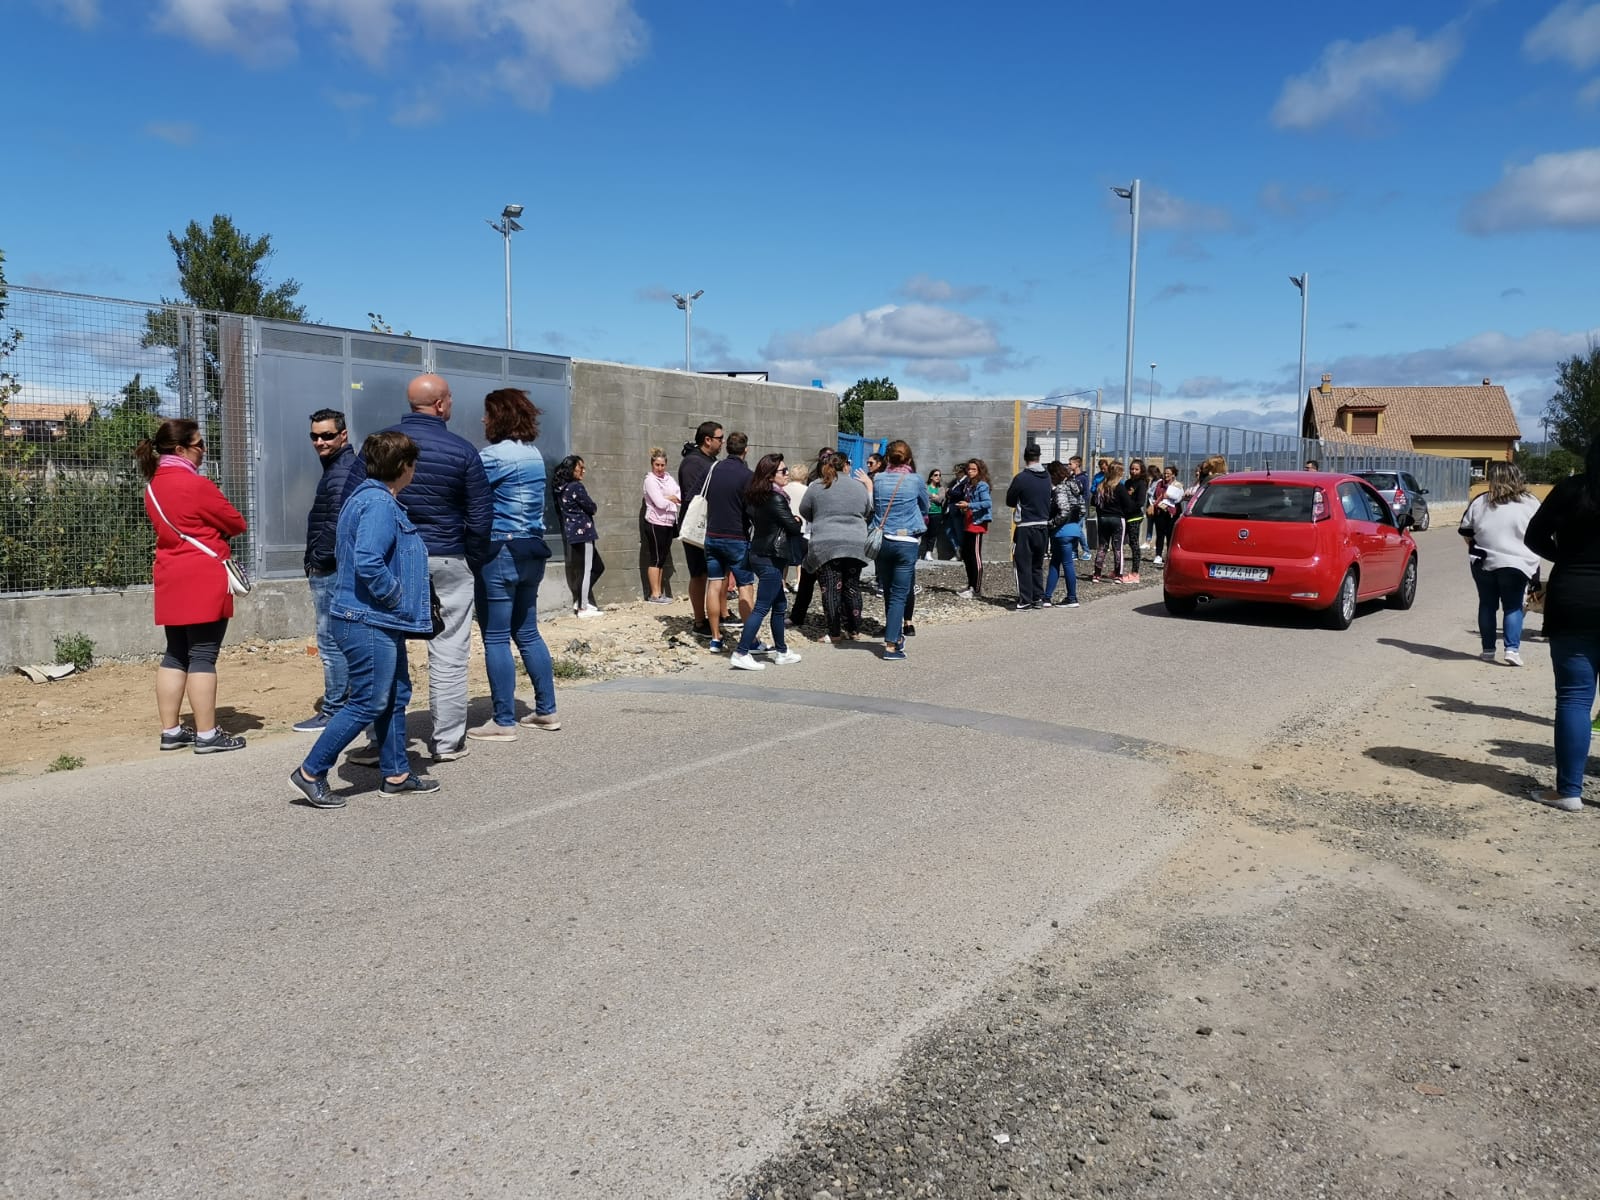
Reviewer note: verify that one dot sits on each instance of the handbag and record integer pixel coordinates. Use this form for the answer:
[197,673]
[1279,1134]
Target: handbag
[696,513]
[238,578]
[874,542]
[435,614]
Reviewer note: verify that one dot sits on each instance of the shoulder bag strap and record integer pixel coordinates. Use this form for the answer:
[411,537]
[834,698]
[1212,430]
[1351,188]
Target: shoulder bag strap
[887,508]
[706,486]
[193,541]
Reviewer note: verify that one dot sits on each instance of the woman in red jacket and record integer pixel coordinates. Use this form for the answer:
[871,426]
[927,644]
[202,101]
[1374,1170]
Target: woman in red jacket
[193,522]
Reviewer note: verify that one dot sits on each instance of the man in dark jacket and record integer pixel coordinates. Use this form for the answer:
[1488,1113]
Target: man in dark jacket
[698,459]
[331,440]
[1029,494]
[450,504]
[728,538]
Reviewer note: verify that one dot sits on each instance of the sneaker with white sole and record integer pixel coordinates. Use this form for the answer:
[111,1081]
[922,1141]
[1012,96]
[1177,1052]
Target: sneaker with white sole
[589,611]
[784,658]
[363,756]
[217,743]
[743,662]
[547,722]
[490,732]
[1548,797]
[1513,658]
[440,754]
[964,594]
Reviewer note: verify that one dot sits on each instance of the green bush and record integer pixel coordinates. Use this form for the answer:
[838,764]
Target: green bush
[568,668]
[66,762]
[77,649]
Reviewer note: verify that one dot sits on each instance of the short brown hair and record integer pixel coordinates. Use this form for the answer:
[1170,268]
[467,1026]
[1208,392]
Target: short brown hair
[897,453]
[387,455]
[509,416]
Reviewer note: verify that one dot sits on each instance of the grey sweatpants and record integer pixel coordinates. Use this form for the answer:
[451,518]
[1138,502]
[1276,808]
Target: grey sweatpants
[447,653]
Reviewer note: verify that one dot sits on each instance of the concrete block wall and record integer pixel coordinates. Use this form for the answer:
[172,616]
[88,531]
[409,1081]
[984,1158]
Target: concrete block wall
[619,412]
[944,432]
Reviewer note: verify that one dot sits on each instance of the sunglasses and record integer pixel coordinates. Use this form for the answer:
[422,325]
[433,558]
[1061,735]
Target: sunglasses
[324,437]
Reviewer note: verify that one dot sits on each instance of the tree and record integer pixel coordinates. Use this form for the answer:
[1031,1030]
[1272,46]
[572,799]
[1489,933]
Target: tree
[852,403]
[1574,411]
[9,386]
[221,270]
[1549,468]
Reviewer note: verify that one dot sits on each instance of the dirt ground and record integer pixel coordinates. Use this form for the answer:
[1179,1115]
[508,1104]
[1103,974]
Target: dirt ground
[107,714]
[1376,974]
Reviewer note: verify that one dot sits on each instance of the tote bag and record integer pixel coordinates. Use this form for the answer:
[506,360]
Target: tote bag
[695,515]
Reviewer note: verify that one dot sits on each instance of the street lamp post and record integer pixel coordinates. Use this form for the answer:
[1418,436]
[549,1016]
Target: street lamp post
[1302,281]
[1150,412]
[686,303]
[505,227]
[1131,195]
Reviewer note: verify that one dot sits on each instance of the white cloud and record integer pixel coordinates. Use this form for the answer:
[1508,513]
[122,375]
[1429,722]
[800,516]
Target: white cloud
[1554,191]
[912,331]
[80,12]
[179,133]
[528,46]
[938,370]
[940,291]
[1499,356]
[1160,209]
[1569,33]
[1352,78]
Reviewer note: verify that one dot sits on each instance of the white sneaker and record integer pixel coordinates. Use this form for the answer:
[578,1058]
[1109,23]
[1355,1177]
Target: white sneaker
[784,657]
[1156,561]
[744,662]
[589,610]
[964,594]
[1513,658]
[1548,797]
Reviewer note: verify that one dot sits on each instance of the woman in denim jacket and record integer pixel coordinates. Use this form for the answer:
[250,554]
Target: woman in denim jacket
[976,508]
[507,585]
[900,505]
[382,596]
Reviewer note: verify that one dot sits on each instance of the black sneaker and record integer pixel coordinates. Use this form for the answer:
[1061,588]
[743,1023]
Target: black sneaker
[702,629]
[908,629]
[315,792]
[411,783]
[217,743]
[181,740]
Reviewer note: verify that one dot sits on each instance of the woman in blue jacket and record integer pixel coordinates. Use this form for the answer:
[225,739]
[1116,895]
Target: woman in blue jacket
[507,585]
[577,508]
[900,505]
[381,598]
[977,509]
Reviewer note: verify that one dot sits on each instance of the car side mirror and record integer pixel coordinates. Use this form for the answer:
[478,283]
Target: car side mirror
[1422,491]
[1405,520]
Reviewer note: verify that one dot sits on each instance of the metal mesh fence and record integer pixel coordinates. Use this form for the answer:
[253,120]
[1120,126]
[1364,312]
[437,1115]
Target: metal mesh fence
[86,379]
[1069,430]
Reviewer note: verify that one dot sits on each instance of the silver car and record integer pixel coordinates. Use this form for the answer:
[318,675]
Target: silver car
[1403,492]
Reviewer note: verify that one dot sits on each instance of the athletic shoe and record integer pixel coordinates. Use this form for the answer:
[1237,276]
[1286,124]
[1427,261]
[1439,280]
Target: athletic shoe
[181,740]
[743,662]
[1156,561]
[894,656]
[1131,577]
[1513,658]
[589,611]
[490,732]
[964,594]
[659,600]
[784,658]
[315,792]
[1487,656]
[1044,604]
[312,724]
[1071,604]
[546,722]
[716,646]
[217,743]
[1097,579]
[702,629]
[1548,797]
[908,630]
[440,754]
[363,756]
[1039,604]
[1023,607]
[411,783]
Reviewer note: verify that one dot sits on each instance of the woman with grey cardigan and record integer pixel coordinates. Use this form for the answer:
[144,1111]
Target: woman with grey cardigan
[838,506]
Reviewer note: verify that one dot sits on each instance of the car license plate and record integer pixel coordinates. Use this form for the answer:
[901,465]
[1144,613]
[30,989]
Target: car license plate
[1251,574]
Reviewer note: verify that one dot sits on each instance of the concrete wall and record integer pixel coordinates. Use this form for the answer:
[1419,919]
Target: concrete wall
[122,623]
[620,412]
[944,432]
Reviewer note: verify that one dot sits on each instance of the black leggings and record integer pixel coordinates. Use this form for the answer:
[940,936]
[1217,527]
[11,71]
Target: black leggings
[193,648]
[972,559]
[660,544]
[840,581]
[584,566]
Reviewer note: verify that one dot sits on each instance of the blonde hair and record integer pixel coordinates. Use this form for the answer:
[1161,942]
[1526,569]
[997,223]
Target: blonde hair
[657,452]
[1505,483]
[798,472]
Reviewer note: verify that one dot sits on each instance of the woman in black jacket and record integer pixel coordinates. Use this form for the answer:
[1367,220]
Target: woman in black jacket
[1131,496]
[1566,530]
[772,526]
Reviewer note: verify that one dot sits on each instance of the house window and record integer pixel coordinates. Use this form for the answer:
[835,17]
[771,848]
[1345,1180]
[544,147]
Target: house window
[1364,422]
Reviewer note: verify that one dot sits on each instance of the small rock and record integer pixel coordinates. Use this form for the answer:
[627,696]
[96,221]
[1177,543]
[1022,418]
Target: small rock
[1163,1112]
[1204,1031]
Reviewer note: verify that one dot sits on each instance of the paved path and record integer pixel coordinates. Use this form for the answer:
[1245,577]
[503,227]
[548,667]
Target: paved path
[618,959]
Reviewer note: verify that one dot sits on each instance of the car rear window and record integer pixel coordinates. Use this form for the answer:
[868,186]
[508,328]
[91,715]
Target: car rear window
[1255,502]
[1380,479]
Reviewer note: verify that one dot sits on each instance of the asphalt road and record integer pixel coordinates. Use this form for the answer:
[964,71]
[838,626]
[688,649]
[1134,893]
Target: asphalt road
[619,959]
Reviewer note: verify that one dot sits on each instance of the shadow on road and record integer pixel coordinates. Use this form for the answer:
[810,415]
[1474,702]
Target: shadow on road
[1442,653]
[1447,769]
[237,720]
[1453,704]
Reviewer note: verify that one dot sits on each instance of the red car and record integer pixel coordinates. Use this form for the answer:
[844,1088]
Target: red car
[1313,539]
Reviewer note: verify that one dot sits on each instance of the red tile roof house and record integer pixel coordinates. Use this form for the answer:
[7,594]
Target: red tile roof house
[1471,422]
[40,422]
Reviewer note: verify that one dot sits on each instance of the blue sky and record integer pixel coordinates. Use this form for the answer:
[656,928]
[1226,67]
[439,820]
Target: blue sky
[862,187]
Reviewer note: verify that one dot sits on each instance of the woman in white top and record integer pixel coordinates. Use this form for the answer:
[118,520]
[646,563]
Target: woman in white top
[795,489]
[1494,526]
[661,503]
[1167,507]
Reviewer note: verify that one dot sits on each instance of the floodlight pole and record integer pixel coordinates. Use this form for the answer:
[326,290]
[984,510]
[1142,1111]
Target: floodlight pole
[505,227]
[686,303]
[1303,283]
[1131,195]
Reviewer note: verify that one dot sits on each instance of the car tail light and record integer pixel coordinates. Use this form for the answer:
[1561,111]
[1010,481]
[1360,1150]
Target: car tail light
[1399,496]
[1319,506]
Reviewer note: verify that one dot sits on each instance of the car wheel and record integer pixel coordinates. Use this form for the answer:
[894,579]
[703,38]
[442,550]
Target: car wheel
[1406,594]
[1343,609]
[1422,525]
[1180,606]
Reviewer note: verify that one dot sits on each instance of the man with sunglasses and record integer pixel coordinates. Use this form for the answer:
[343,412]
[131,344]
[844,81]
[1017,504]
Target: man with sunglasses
[331,440]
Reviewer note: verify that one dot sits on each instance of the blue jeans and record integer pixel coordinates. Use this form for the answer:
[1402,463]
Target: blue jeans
[1503,588]
[1063,563]
[769,598]
[506,596]
[335,671]
[726,556]
[897,565]
[380,689]
[1575,658]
